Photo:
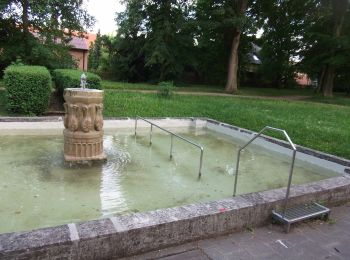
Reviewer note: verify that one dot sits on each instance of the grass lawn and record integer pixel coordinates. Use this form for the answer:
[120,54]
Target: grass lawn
[107,84]
[244,91]
[273,92]
[320,126]
[338,99]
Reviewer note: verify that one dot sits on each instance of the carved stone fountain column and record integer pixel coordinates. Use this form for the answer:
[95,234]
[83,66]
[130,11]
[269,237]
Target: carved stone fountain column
[83,122]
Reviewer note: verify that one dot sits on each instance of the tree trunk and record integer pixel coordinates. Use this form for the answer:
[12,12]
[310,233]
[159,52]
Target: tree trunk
[232,77]
[231,85]
[25,27]
[25,23]
[327,81]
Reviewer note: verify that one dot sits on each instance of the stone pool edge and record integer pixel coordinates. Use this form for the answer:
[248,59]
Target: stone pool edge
[127,235]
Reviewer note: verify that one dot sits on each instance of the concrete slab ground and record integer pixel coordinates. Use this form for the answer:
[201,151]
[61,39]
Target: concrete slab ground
[309,240]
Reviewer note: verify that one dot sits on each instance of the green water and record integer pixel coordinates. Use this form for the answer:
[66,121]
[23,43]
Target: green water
[38,190]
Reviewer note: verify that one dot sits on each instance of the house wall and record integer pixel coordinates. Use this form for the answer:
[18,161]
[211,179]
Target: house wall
[303,79]
[81,56]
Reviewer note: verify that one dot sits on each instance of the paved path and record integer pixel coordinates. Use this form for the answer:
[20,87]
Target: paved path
[310,240]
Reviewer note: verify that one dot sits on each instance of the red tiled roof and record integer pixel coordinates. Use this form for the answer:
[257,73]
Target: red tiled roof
[79,43]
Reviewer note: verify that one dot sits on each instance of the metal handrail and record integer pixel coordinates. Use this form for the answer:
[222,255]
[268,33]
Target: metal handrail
[171,141]
[291,167]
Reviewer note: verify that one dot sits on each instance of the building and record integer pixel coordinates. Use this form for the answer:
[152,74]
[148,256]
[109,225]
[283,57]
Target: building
[80,49]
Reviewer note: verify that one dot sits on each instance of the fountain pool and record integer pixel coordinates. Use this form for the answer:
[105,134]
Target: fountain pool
[39,190]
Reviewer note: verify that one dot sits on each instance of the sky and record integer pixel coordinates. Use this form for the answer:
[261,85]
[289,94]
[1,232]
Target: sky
[104,13]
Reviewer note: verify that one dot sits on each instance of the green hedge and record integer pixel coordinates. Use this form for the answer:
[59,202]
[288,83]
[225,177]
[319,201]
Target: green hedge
[28,89]
[69,78]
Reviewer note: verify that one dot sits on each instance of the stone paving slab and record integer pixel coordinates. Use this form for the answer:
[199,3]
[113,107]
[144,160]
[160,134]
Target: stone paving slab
[314,239]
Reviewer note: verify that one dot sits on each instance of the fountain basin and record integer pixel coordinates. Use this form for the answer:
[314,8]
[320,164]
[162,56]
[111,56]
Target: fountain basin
[132,233]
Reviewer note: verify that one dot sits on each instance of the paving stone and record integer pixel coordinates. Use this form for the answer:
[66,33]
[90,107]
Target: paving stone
[243,237]
[340,236]
[316,235]
[259,249]
[274,256]
[343,249]
[226,246]
[307,250]
[241,255]
[213,241]
[213,253]
[296,239]
[272,232]
[190,255]
[164,252]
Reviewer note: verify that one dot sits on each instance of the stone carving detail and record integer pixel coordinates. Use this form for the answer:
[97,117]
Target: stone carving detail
[65,121]
[83,122]
[99,118]
[73,123]
[86,123]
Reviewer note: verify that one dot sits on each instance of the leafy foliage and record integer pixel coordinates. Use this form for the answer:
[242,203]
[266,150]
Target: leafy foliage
[166,89]
[175,40]
[68,78]
[284,25]
[95,53]
[28,89]
[154,40]
[38,31]
[327,41]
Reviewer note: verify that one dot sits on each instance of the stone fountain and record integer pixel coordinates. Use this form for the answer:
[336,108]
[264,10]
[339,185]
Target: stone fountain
[83,122]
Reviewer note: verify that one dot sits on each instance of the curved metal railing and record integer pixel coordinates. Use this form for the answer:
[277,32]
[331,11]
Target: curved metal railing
[291,167]
[171,141]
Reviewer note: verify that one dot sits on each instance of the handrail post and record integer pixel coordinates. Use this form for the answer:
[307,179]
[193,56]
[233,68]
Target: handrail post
[171,146]
[291,167]
[289,183]
[236,176]
[200,164]
[135,124]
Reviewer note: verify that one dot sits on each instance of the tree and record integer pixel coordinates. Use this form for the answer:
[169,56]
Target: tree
[240,7]
[283,22]
[218,42]
[95,52]
[154,36]
[128,56]
[327,44]
[40,28]
[169,37]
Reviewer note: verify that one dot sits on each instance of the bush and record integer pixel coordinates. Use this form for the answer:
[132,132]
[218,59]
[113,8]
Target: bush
[166,89]
[68,78]
[28,89]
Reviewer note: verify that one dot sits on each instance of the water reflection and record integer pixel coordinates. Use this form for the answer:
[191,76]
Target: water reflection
[111,192]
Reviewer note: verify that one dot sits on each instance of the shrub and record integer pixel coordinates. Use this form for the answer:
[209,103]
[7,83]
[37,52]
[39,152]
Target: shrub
[166,89]
[28,89]
[69,78]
